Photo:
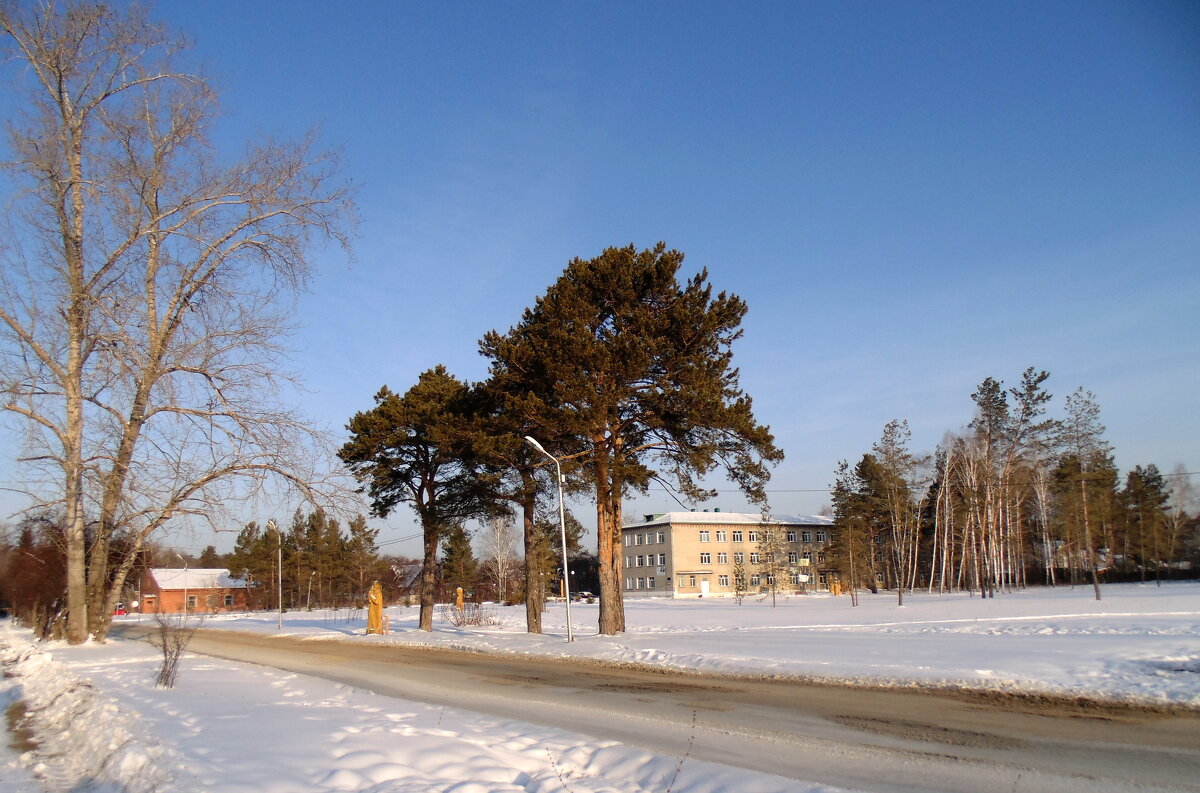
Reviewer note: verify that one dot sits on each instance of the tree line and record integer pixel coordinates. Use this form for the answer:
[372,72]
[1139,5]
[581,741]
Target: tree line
[324,565]
[1016,498]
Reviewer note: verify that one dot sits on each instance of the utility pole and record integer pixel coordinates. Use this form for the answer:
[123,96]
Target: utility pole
[273,526]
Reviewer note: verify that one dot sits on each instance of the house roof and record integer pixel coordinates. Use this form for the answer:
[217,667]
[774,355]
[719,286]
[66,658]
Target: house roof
[195,578]
[407,574]
[729,519]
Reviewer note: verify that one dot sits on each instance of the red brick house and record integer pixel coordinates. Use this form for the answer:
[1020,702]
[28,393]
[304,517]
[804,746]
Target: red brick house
[206,590]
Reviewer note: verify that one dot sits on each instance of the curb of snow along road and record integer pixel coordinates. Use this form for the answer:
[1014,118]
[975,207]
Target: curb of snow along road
[83,739]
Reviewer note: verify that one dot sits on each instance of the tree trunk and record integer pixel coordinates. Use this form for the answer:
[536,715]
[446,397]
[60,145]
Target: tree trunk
[533,589]
[1087,538]
[608,542]
[428,568]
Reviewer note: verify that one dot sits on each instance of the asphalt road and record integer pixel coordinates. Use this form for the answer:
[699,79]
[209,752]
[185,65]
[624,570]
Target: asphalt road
[879,740]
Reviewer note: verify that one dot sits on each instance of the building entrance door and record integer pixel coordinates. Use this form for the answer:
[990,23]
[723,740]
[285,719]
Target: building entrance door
[703,587]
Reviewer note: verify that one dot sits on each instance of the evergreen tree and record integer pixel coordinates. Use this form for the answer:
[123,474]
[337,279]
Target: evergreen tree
[210,558]
[510,470]
[543,557]
[409,450]
[460,568]
[861,524]
[253,558]
[636,370]
[1145,499]
[362,556]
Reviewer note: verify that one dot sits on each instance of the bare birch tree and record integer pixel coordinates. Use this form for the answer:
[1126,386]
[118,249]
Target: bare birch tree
[500,546]
[145,289]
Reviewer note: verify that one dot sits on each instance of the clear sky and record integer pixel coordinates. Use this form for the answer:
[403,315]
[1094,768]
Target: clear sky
[910,196]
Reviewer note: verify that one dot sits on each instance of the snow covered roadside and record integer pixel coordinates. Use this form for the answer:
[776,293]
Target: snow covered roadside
[233,728]
[81,737]
[1140,643]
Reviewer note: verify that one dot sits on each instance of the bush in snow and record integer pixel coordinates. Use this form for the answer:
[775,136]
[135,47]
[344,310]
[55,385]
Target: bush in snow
[174,633]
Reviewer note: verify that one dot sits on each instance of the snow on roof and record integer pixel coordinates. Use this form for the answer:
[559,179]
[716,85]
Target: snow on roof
[196,578]
[728,518]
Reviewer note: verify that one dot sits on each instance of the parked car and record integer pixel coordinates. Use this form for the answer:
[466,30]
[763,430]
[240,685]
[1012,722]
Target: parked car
[119,611]
[588,596]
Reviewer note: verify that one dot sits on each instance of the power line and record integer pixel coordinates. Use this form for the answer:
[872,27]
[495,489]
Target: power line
[830,489]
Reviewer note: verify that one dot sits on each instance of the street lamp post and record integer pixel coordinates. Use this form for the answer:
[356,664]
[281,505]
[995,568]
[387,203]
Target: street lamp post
[185,585]
[562,528]
[273,526]
[310,578]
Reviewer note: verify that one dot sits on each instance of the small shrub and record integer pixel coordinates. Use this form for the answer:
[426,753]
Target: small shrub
[175,631]
[473,614]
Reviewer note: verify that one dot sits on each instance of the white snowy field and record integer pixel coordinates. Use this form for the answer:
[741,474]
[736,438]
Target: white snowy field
[233,728]
[230,727]
[1141,642]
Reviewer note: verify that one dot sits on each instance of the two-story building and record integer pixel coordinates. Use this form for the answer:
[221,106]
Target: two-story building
[698,554]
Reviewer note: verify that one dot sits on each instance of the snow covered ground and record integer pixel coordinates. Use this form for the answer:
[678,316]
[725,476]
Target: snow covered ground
[228,727]
[1139,642]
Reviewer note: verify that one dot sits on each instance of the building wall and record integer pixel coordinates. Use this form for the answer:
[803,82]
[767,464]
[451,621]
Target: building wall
[155,600]
[700,558]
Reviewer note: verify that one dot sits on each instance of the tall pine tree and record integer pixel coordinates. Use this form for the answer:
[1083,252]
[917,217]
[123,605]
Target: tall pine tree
[409,450]
[636,371]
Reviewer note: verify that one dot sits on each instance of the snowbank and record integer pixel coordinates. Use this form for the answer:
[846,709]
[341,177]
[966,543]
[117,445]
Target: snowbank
[84,740]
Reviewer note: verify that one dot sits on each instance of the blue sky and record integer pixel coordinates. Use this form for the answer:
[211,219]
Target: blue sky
[910,196]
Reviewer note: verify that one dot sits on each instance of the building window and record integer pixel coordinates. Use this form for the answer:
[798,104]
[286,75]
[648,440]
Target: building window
[793,557]
[637,539]
[821,536]
[191,601]
[791,536]
[722,536]
[737,536]
[739,557]
[628,540]
[820,556]
[753,536]
[662,560]
[641,560]
[794,578]
[662,537]
[629,583]
[228,601]
[756,580]
[705,536]
[629,561]
[691,580]
[754,557]
[706,558]
[641,582]
[650,582]
[723,580]
[806,536]
[722,558]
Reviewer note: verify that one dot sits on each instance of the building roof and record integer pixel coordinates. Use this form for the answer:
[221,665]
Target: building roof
[195,578]
[728,519]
